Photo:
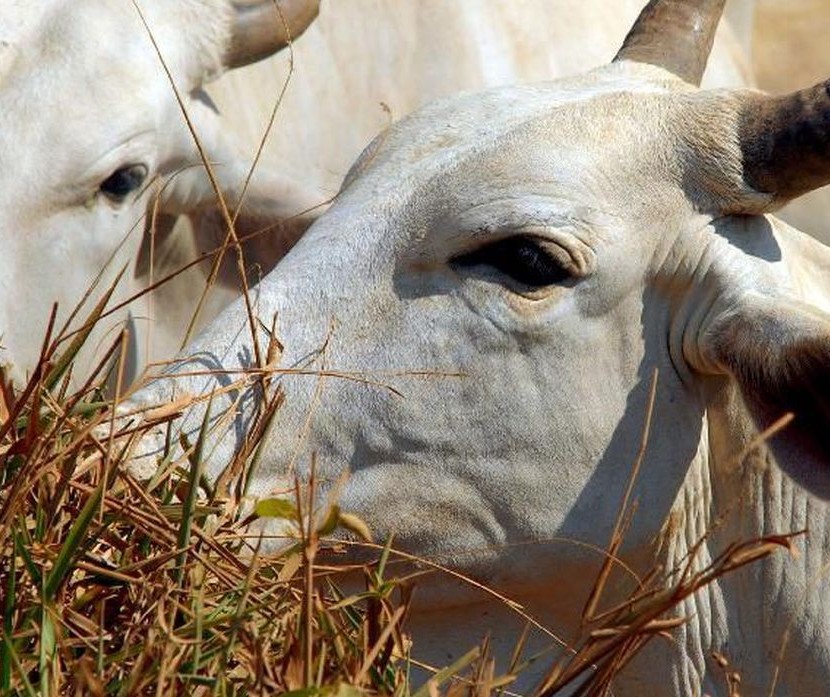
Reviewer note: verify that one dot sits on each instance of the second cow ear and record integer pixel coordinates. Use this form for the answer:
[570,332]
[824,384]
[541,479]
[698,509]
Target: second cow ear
[777,349]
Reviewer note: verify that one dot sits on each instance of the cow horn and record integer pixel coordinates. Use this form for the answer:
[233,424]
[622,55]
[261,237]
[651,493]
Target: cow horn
[785,142]
[674,34]
[260,29]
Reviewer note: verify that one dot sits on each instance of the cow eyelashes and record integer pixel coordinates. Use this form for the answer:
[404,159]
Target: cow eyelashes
[521,258]
[123,181]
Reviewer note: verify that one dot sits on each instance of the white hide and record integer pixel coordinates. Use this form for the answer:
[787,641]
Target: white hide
[508,443]
[364,56]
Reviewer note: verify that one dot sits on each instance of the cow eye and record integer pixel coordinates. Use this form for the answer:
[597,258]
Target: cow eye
[521,258]
[123,181]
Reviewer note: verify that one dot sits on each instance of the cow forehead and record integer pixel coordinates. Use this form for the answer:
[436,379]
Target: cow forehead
[94,35]
[557,152]
[491,122]
[19,21]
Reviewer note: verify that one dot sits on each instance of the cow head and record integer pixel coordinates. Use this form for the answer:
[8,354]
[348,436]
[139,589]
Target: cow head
[91,131]
[471,330]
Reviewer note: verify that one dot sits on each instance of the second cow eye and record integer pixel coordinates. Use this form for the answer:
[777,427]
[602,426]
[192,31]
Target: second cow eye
[123,181]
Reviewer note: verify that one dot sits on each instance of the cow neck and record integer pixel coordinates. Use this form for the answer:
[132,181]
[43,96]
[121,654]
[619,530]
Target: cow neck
[770,610]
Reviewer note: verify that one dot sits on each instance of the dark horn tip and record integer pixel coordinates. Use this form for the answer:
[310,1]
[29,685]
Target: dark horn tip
[785,142]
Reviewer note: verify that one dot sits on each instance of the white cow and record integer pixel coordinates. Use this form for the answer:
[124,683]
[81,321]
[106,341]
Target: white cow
[91,131]
[516,263]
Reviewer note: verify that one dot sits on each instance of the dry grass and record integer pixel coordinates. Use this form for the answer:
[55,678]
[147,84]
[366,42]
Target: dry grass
[112,587]
[115,587]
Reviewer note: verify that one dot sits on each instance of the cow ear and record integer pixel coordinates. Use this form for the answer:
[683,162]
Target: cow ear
[220,163]
[275,209]
[265,239]
[778,352]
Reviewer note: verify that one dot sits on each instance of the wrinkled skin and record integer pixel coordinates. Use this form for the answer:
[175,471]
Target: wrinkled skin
[509,458]
[90,132]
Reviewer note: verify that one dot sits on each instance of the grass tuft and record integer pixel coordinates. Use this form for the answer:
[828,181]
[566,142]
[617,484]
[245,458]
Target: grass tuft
[113,587]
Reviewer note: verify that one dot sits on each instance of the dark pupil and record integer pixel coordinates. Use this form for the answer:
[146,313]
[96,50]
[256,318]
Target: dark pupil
[124,180]
[520,258]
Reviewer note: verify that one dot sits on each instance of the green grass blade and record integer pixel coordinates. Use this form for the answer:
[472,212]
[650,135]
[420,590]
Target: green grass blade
[445,674]
[276,508]
[236,621]
[8,627]
[384,559]
[199,638]
[48,651]
[40,523]
[73,543]
[7,643]
[88,408]
[23,553]
[196,462]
